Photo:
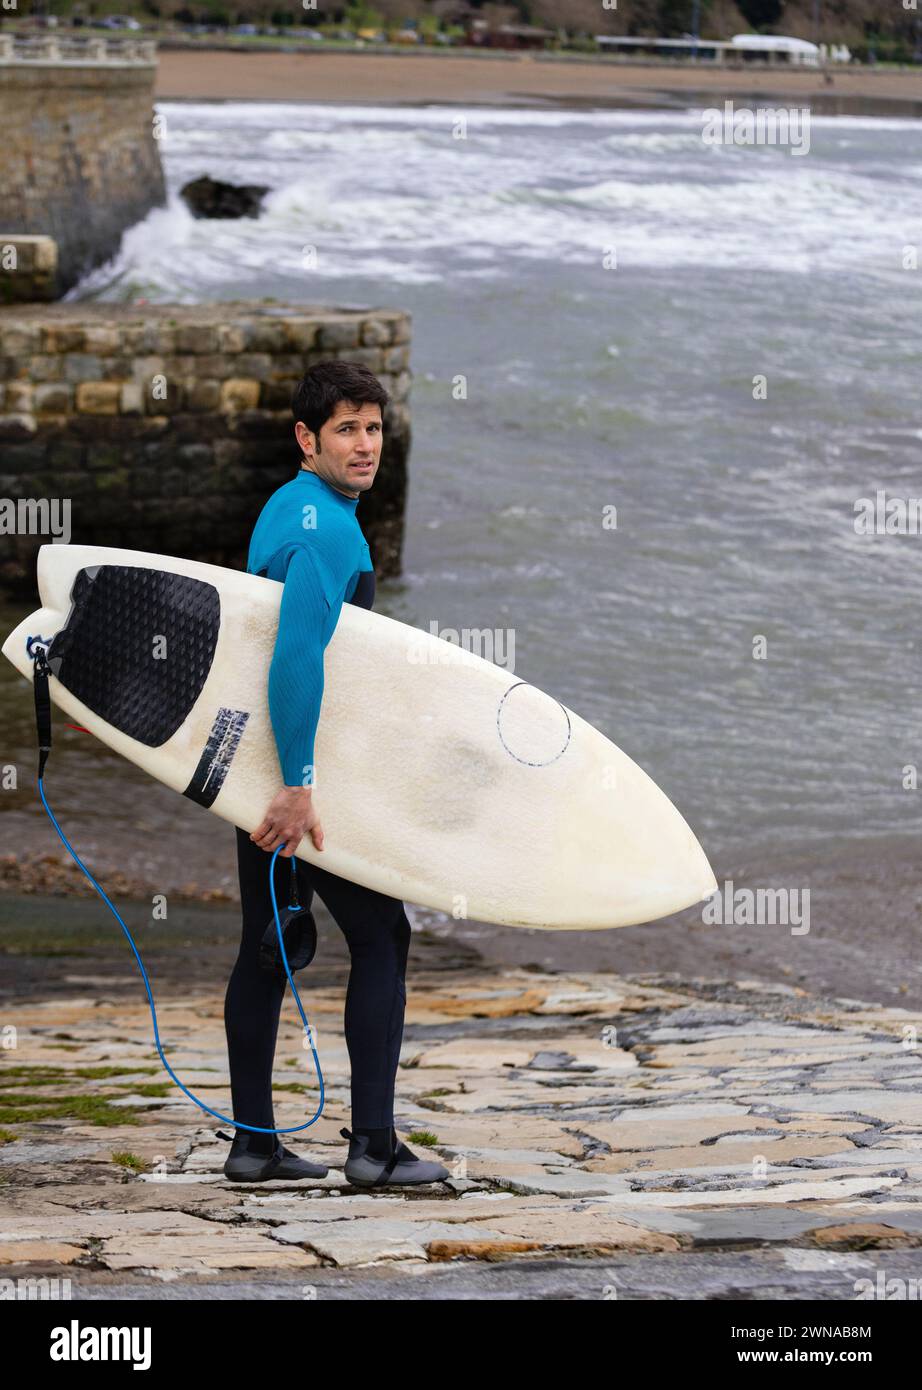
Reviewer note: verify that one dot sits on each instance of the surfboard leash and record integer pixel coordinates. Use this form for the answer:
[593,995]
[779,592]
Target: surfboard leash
[37,649]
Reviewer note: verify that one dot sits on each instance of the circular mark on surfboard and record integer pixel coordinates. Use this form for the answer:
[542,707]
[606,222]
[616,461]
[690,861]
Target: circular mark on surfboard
[534,728]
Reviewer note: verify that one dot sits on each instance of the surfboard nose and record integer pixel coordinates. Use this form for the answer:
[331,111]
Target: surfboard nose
[684,871]
[683,877]
[634,857]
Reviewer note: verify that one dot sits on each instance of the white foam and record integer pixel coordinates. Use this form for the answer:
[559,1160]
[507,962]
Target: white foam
[388,192]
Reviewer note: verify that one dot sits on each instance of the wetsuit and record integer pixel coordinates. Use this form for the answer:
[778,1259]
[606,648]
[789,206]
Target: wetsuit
[318,578]
[307,536]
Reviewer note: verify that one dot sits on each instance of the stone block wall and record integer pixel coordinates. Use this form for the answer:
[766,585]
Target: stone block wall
[168,427]
[28,268]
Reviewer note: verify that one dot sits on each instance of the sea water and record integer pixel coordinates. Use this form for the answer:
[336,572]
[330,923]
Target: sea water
[652,379]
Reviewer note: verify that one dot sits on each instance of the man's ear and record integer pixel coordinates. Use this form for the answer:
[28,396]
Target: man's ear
[305,437]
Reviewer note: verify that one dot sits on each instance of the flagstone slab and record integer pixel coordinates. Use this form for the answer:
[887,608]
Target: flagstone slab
[776,1148]
[25,1151]
[377,1239]
[490,1053]
[100,1225]
[283,1210]
[215,1249]
[885,1104]
[39,1252]
[572,1183]
[754,1195]
[557,1229]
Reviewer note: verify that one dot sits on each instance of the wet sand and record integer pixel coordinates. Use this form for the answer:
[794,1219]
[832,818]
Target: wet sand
[411,79]
[865,915]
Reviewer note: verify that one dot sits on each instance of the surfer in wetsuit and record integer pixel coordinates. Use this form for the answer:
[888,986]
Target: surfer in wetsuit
[308,537]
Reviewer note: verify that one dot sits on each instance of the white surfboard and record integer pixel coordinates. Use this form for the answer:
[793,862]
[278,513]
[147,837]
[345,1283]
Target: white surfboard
[441,779]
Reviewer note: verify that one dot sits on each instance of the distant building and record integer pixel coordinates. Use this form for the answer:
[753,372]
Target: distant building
[509,35]
[777,47]
[764,48]
[707,50]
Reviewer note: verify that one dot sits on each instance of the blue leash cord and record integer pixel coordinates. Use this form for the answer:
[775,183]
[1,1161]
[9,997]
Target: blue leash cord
[43,716]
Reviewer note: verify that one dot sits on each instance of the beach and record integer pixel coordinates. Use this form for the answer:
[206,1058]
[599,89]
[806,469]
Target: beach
[522,79]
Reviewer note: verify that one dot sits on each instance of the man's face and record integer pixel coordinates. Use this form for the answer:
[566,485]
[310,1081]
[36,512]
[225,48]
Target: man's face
[349,448]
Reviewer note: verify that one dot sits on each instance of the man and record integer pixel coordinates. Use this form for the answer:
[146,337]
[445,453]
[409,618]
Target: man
[308,536]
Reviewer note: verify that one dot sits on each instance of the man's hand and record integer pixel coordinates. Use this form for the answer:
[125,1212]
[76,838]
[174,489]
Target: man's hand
[291,814]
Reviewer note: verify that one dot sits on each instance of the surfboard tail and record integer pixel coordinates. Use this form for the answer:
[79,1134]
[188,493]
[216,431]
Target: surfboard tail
[40,625]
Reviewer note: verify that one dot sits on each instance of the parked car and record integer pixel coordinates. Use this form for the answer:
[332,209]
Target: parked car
[116,21]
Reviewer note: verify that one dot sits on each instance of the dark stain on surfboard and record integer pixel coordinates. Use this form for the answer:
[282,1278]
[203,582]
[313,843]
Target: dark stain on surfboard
[105,653]
[209,775]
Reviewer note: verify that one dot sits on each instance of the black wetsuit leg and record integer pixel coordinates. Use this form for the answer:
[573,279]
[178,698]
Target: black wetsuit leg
[378,936]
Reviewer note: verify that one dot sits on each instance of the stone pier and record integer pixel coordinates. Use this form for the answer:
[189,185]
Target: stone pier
[168,426]
[78,158]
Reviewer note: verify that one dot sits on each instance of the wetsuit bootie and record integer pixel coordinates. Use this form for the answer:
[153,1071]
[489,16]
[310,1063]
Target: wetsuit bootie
[400,1168]
[244,1165]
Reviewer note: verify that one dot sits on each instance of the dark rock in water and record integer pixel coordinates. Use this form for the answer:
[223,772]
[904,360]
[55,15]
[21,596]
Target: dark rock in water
[206,197]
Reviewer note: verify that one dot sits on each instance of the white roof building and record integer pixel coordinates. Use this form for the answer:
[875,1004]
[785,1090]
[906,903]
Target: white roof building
[799,51]
[769,48]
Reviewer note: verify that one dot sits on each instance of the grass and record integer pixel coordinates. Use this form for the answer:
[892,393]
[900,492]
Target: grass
[19,1106]
[126,1159]
[59,1076]
[424,1137]
[95,1110]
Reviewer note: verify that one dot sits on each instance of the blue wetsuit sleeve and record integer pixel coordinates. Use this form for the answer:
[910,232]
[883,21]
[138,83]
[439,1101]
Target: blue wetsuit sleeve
[296,671]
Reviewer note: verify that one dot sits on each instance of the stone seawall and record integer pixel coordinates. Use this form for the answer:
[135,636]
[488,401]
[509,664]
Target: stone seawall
[167,427]
[28,268]
[78,158]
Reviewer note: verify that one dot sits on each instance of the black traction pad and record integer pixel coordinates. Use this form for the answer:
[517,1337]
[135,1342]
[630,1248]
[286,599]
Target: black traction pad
[105,653]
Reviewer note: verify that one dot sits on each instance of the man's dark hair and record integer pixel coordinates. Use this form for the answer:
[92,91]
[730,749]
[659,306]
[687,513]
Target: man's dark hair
[325,384]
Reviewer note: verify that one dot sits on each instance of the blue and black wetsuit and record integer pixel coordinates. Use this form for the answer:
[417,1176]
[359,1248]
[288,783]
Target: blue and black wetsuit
[308,536]
[375,926]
